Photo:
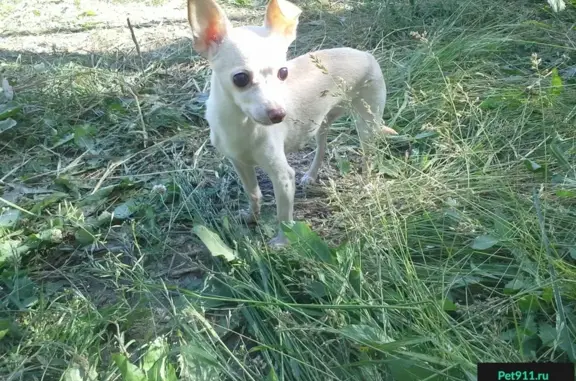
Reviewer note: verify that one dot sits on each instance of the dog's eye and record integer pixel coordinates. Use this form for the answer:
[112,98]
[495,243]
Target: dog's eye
[241,79]
[283,73]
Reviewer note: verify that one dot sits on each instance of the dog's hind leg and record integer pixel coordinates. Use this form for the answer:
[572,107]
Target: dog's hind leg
[369,107]
[321,141]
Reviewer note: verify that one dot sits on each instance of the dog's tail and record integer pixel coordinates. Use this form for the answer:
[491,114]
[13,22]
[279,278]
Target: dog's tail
[369,104]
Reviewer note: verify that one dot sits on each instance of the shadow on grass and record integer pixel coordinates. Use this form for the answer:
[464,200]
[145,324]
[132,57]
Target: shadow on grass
[175,53]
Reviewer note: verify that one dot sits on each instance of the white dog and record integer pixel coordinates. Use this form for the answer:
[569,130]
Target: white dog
[262,106]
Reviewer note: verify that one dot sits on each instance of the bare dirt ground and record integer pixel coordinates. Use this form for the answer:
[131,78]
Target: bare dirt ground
[99,26]
[73,26]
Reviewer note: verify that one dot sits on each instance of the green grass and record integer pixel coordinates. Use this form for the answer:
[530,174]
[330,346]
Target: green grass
[462,250]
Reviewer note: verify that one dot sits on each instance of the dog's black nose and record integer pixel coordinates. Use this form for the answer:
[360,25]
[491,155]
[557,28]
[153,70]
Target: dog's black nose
[276,115]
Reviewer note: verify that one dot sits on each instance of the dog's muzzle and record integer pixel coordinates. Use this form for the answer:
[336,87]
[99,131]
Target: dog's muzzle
[276,115]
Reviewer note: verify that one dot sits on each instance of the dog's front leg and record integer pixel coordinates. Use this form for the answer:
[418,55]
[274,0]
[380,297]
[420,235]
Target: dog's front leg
[284,183]
[247,176]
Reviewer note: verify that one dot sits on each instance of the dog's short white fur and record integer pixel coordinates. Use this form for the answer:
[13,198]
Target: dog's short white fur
[262,106]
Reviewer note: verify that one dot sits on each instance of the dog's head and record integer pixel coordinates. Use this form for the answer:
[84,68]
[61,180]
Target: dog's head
[249,62]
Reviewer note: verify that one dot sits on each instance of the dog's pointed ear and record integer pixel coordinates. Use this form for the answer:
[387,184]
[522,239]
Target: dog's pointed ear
[282,19]
[209,25]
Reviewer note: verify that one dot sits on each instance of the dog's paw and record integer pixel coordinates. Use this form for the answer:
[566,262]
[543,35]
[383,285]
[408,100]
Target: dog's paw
[278,242]
[247,216]
[307,180]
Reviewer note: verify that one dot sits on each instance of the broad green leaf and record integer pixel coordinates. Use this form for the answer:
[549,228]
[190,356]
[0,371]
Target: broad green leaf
[490,103]
[104,218]
[365,334]
[9,218]
[539,24]
[129,371]
[402,344]
[200,354]
[68,185]
[161,370]
[53,235]
[343,164]
[48,201]
[88,13]
[8,248]
[84,237]
[99,195]
[448,305]
[8,110]
[83,137]
[502,227]
[155,352]
[425,134]
[317,290]
[532,166]
[559,155]
[566,343]
[373,337]
[529,303]
[547,333]
[404,370]
[464,281]
[529,347]
[125,210]
[514,286]
[74,373]
[63,140]
[572,252]
[7,326]
[483,242]
[300,235]
[29,302]
[156,371]
[556,83]
[170,373]
[23,292]
[272,376]
[529,326]
[344,251]
[7,124]
[548,294]
[214,243]
[77,373]
[511,99]
[509,335]
[566,193]
[355,278]
[389,168]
